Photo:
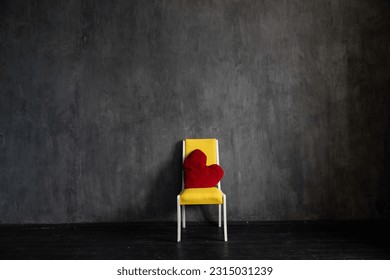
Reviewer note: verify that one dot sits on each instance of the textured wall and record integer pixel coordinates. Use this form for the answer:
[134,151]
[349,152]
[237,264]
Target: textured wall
[95,97]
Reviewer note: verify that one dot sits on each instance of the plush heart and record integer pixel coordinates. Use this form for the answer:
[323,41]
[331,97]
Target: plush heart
[197,174]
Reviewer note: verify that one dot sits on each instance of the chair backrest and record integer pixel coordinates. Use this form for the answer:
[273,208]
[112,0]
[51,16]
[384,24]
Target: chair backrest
[209,146]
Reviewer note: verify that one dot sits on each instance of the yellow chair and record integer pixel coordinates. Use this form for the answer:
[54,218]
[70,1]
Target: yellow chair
[198,196]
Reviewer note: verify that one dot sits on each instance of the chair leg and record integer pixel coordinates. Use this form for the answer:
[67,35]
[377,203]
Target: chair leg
[178,219]
[219,215]
[183,215]
[224,219]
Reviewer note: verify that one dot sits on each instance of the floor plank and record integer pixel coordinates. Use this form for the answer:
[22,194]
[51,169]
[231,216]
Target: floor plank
[266,240]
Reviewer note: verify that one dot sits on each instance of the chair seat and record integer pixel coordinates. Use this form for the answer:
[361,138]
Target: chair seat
[194,196]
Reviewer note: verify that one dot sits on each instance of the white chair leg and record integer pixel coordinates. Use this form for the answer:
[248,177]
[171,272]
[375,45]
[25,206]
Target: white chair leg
[219,215]
[178,219]
[224,219]
[184,215]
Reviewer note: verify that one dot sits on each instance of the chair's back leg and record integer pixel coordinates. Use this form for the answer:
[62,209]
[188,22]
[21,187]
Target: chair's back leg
[183,215]
[219,215]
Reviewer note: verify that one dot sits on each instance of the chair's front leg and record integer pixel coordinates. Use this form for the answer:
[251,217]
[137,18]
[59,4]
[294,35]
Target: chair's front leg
[178,219]
[224,219]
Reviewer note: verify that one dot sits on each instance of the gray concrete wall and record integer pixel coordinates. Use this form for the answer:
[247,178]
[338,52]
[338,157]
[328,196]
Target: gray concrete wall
[95,97]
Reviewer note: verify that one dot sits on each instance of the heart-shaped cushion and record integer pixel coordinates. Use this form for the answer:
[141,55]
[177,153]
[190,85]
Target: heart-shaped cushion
[197,174]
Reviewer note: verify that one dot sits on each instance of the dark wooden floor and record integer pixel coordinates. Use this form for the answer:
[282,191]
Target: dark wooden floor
[268,240]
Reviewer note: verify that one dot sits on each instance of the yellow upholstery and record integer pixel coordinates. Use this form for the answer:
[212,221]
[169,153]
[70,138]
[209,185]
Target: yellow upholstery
[201,196]
[208,146]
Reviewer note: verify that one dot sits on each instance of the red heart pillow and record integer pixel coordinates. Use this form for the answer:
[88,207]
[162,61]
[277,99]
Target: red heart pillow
[197,174]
